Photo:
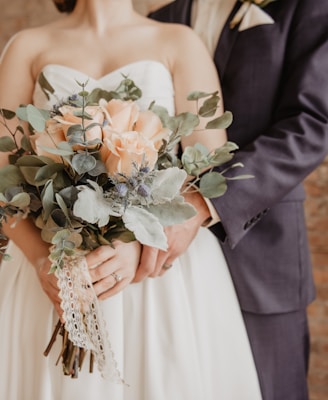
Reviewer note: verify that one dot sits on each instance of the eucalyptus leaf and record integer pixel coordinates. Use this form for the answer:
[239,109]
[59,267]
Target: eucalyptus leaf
[47,198]
[212,184]
[20,200]
[30,173]
[240,177]
[195,159]
[75,238]
[184,123]
[60,218]
[10,175]
[7,114]
[26,144]
[12,191]
[209,107]
[97,94]
[33,161]
[62,205]
[69,195]
[48,171]
[83,162]
[63,152]
[36,118]
[75,130]
[92,125]
[7,143]
[45,85]
[22,113]
[162,113]
[222,122]
[196,95]
[99,169]
[61,235]
[82,114]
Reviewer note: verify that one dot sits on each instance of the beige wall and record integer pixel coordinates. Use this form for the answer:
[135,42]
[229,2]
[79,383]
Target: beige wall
[18,14]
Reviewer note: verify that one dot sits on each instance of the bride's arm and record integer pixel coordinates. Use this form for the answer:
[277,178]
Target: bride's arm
[17,83]
[192,70]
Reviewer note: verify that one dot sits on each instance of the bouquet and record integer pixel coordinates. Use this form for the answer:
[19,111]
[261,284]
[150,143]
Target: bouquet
[97,168]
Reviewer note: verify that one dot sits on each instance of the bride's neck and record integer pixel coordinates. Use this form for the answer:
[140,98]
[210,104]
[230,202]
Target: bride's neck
[99,15]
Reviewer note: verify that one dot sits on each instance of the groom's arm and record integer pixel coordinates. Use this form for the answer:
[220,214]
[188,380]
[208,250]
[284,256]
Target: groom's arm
[296,142]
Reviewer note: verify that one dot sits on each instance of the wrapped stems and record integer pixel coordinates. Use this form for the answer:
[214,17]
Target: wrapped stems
[71,356]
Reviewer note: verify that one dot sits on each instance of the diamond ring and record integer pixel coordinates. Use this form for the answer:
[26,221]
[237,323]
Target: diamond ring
[117,277]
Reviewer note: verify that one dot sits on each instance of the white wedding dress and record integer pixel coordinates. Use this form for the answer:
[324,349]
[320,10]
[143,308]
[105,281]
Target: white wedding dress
[177,337]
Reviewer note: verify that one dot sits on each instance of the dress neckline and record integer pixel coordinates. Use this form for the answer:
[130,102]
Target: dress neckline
[116,70]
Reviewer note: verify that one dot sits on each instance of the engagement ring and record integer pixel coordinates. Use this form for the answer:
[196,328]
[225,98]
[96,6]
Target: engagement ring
[117,277]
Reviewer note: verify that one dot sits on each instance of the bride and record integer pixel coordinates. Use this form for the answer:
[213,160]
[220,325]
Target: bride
[179,336]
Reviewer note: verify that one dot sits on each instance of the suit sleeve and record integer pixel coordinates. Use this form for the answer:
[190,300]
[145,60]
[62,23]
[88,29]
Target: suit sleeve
[296,141]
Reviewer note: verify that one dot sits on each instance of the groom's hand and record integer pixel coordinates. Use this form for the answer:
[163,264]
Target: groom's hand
[154,262]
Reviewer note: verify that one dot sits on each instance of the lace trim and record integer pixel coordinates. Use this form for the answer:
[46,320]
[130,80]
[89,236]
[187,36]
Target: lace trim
[83,316]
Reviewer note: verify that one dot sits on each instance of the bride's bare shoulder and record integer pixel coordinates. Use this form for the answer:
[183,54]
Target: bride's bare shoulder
[29,42]
[182,36]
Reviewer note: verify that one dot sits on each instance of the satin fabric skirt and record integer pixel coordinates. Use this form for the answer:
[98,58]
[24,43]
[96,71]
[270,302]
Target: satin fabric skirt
[177,337]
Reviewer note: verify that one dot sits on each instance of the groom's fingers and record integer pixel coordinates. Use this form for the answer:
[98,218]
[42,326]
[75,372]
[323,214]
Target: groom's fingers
[147,263]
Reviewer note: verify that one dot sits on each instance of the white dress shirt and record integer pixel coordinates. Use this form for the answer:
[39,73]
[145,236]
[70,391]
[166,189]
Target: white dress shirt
[208,18]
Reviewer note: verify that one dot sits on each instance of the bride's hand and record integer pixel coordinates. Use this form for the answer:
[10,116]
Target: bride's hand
[154,262]
[49,285]
[112,269]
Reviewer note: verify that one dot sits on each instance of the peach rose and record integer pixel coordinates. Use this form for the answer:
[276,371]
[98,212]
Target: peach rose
[120,114]
[124,116]
[53,135]
[69,119]
[150,125]
[122,150]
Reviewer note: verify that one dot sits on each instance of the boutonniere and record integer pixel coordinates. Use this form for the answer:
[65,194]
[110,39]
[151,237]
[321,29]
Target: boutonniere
[250,14]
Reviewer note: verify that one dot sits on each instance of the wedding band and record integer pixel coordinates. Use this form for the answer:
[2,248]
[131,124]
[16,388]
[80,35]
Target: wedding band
[167,266]
[117,277]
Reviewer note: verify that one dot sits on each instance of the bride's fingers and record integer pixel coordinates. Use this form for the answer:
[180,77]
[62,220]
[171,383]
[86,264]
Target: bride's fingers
[106,282]
[116,288]
[99,255]
[165,267]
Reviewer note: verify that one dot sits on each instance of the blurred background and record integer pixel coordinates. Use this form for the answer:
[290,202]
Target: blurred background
[20,14]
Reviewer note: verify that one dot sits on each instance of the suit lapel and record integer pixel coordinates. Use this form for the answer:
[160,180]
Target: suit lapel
[226,42]
[181,11]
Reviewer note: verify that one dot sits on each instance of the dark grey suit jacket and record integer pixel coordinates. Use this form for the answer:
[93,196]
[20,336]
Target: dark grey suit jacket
[275,81]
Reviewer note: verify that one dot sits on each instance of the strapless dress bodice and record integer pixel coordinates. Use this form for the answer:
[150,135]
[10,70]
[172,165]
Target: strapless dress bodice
[151,76]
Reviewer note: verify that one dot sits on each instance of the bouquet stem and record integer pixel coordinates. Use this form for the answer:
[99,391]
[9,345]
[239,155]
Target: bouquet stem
[72,356]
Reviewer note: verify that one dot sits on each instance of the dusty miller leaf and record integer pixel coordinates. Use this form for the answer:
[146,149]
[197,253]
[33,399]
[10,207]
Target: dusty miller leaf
[145,226]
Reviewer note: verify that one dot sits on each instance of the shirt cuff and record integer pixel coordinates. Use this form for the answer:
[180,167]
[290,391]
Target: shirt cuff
[214,218]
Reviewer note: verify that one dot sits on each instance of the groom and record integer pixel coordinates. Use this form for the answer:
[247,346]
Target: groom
[273,66]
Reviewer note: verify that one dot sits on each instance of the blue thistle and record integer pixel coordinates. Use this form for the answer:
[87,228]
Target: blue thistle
[144,190]
[122,189]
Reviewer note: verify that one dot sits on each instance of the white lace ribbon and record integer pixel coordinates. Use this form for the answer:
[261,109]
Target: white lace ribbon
[83,316]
